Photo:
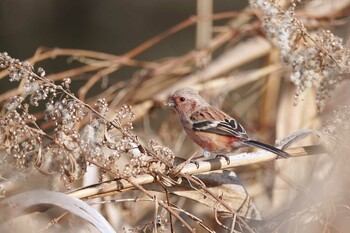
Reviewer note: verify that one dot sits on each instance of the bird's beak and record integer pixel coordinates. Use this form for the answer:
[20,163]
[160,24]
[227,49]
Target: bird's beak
[170,103]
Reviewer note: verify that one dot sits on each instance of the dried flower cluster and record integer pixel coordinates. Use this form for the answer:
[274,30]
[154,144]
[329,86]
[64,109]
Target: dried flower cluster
[67,148]
[321,61]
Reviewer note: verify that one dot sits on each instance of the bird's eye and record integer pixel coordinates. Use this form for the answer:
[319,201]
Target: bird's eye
[182,99]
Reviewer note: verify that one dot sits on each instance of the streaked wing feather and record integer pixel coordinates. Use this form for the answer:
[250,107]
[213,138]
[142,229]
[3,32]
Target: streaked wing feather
[212,120]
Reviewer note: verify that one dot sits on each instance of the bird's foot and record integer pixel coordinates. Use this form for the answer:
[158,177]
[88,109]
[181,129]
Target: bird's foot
[206,154]
[225,157]
[195,162]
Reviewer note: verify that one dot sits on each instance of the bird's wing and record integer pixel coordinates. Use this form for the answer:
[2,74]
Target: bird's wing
[212,120]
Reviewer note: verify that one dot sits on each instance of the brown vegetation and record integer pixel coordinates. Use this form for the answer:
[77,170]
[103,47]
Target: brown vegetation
[139,173]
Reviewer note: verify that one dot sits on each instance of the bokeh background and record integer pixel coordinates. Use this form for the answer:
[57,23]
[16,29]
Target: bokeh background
[264,104]
[107,26]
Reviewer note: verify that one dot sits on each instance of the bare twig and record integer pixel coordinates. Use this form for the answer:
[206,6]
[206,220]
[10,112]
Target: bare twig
[53,221]
[240,219]
[193,217]
[169,204]
[169,209]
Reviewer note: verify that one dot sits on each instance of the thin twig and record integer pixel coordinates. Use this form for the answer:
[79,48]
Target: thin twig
[211,194]
[217,220]
[89,84]
[169,204]
[169,209]
[53,221]
[156,209]
[195,218]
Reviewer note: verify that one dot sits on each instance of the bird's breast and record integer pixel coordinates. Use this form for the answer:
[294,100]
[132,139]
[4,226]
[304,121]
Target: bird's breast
[213,143]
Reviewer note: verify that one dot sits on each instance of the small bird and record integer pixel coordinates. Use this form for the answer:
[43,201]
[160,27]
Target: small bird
[212,129]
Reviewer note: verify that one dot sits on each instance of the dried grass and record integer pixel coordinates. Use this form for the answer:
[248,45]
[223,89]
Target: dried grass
[49,135]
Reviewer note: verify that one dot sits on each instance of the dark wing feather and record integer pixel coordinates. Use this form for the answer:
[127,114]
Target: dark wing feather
[212,120]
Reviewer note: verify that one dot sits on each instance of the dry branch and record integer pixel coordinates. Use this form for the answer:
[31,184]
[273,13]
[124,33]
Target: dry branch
[117,186]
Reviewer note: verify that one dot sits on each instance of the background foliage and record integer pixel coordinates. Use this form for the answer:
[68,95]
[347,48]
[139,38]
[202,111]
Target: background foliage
[82,116]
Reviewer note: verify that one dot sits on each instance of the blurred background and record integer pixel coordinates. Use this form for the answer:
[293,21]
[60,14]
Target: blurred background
[236,68]
[107,26]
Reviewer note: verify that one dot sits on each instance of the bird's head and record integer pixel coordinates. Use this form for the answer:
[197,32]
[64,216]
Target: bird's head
[185,101]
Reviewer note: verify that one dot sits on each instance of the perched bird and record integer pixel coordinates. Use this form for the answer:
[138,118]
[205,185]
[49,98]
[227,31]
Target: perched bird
[212,129]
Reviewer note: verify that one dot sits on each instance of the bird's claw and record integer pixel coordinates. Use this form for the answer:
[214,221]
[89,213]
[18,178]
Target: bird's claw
[225,157]
[195,162]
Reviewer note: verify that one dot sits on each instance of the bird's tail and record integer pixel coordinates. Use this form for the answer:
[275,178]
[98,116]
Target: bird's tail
[267,147]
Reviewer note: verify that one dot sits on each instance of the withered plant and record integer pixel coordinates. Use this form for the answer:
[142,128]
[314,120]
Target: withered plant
[50,136]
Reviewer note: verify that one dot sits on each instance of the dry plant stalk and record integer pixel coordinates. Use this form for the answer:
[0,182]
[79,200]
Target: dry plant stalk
[68,150]
[80,131]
